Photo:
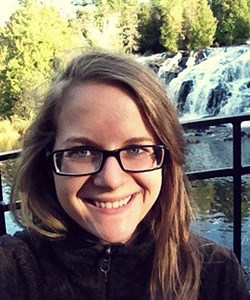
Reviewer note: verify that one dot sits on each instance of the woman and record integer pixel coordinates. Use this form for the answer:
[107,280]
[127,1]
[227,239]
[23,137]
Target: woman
[105,202]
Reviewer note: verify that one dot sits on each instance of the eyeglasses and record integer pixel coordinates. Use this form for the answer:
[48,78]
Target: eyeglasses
[80,161]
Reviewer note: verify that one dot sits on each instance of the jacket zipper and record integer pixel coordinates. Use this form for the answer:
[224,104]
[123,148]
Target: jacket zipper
[105,266]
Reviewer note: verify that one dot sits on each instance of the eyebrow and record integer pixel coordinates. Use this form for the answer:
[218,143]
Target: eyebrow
[81,141]
[87,141]
[139,140]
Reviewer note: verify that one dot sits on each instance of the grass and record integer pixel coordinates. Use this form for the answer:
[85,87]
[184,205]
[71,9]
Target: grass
[11,132]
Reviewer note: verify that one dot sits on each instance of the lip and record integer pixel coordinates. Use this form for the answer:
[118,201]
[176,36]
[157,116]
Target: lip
[113,210]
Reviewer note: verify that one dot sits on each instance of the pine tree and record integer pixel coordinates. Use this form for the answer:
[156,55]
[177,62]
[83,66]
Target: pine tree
[233,21]
[111,24]
[129,25]
[199,25]
[171,27]
[149,27]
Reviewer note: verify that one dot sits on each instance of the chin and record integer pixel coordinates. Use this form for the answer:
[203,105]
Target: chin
[115,238]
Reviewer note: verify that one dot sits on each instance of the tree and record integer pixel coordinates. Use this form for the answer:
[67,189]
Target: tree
[233,21]
[34,36]
[99,27]
[199,25]
[110,24]
[149,27]
[171,28]
[128,25]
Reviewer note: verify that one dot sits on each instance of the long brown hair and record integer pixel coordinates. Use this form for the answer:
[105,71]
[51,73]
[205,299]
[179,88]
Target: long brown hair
[176,268]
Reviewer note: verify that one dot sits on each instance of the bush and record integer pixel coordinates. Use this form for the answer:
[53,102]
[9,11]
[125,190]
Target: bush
[11,132]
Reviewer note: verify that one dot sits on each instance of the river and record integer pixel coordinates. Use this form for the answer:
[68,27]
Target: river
[214,197]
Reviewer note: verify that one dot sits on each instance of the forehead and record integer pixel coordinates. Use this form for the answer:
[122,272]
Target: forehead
[98,96]
[102,111]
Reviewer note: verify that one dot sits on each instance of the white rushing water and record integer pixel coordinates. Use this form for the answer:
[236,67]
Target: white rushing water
[213,82]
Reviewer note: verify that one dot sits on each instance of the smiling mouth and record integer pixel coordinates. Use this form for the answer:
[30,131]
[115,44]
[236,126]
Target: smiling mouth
[113,204]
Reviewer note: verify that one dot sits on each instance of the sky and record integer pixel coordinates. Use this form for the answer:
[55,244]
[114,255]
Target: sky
[7,7]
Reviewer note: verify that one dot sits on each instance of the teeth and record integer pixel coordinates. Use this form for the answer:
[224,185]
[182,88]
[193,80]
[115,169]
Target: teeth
[115,204]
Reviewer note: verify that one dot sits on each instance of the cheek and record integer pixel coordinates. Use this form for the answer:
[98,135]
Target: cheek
[67,188]
[151,183]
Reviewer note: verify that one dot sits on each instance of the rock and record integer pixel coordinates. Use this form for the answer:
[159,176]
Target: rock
[168,76]
[154,66]
[186,88]
[199,56]
[217,95]
[183,61]
[209,132]
[229,138]
[192,140]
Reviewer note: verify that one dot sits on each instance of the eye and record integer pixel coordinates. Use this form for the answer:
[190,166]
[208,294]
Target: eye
[78,153]
[135,150]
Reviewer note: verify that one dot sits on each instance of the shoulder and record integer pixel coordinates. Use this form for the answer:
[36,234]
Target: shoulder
[221,273]
[214,255]
[24,246]
[9,245]
[212,252]
[19,270]
[22,241]
[17,251]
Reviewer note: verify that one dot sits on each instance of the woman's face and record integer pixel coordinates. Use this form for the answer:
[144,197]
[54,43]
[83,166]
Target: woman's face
[105,117]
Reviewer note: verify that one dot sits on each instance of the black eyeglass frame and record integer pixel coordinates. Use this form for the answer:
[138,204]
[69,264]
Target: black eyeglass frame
[105,154]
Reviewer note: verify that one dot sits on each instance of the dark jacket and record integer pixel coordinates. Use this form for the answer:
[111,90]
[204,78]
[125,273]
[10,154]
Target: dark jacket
[74,268]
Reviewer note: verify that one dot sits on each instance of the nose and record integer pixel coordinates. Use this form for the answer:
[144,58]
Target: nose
[111,175]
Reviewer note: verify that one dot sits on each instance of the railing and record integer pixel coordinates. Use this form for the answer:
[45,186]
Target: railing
[236,172]
[5,207]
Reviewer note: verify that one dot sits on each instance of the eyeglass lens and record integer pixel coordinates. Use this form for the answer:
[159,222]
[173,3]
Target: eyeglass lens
[87,161]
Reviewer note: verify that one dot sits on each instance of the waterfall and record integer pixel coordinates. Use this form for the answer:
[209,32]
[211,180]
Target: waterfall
[211,82]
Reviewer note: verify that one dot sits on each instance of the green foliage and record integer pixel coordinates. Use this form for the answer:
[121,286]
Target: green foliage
[186,24]
[203,194]
[129,25]
[98,33]
[35,35]
[199,25]
[233,21]
[215,195]
[181,24]
[9,137]
[171,27]
[37,40]
[110,24]
[12,130]
[149,25]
